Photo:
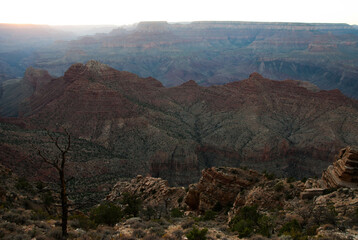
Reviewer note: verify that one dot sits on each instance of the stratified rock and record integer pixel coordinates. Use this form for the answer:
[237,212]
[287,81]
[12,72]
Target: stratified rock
[344,171]
[311,193]
[219,186]
[154,192]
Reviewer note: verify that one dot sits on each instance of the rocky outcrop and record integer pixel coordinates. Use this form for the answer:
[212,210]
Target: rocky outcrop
[344,171]
[219,187]
[154,192]
[311,193]
[342,203]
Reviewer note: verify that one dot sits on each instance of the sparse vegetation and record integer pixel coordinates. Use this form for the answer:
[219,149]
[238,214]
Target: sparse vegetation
[248,221]
[106,213]
[279,187]
[131,203]
[269,176]
[23,184]
[197,234]
[208,215]
[176,213]
[82,221]
[293,229]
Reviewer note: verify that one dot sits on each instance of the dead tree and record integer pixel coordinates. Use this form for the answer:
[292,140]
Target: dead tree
[59,163]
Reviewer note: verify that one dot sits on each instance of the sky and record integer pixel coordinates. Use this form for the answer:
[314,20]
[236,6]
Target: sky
[119,12]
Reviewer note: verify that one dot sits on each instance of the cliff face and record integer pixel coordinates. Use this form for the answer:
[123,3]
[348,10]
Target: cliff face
[344,171]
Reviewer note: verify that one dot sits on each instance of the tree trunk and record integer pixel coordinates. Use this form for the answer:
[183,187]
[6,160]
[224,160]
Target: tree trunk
[64,204]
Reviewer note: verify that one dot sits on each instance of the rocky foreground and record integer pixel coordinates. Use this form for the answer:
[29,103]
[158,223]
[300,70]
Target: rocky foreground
[227,203]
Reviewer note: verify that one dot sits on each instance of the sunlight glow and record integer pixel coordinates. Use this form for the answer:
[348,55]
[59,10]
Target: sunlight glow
[87,12]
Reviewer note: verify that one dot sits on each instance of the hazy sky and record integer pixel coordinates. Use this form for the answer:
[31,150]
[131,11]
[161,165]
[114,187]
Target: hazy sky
[118,12]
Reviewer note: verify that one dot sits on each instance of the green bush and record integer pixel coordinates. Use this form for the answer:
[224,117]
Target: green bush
[290,180]
[248,221]
[40,215]
[132,204]
[82,221]
[197,234]
[279,187]
[106,213]
[293,229]
[176,213]
[47,199]
[149,213]
[208,215]
[23,184]
[269,176]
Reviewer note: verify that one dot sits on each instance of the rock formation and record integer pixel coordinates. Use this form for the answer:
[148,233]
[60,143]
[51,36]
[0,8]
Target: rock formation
[219,187]
[344,171]
[154,192]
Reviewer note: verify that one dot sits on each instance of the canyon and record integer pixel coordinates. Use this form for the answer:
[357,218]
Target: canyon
[124,125]
[210,53]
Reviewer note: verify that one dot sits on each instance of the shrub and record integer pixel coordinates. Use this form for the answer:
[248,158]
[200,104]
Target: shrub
[178,234]
[138,233]
[20,237]
[176,213]
[290,180]
[106,213]
[40,215]
[187,224]
[248,221]
[197,234]
[151,237]
[82,221]
[269,176]
[23,184]
[12,227]
[311,230]
[208,215]
[17,218]
[40,185]
[279,187]
[158,231]
[132,204]
[149,213]
[56,233]
[47,199]
[292,228]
